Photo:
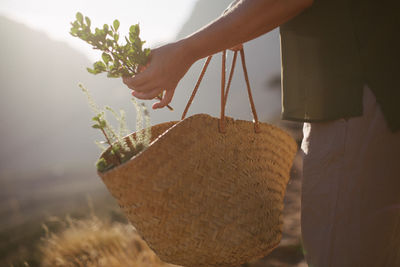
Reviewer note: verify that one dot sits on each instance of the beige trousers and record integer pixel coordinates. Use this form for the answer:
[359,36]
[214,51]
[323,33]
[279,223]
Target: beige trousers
[351,191]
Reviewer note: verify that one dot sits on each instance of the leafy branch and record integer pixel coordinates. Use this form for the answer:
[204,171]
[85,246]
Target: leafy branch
[117,60]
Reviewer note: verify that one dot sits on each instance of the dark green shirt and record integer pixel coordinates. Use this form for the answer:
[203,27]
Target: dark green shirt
[331,50]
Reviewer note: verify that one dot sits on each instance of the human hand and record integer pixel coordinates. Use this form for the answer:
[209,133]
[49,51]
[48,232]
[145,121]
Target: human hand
[167,65]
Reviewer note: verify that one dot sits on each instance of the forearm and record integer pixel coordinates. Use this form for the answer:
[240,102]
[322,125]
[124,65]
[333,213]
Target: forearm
[245,21]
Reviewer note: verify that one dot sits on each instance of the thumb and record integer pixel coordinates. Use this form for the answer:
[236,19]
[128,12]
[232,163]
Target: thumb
[165,100]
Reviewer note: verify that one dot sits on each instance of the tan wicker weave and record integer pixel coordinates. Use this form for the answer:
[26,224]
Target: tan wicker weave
[204,198]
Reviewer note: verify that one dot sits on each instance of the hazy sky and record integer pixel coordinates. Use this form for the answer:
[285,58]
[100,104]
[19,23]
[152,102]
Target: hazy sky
[159,20]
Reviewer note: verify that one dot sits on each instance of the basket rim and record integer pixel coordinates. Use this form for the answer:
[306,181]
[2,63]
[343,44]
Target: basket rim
[198,115]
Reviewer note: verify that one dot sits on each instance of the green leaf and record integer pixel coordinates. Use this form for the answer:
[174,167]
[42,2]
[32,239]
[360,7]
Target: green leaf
[99,66]
[79,17]
[131,38]
[106,57]
[117,64]
[88,22]
[134,29]
[96,118]
[74,31]
[116,37]
[92,71]
[96,126]
[109,42]
[116,25]
[105,28]
[113,75]
[101,165]
[75,24]
[115,148]
[138,44]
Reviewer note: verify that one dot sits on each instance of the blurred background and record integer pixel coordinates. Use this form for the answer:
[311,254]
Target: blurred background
[47,149]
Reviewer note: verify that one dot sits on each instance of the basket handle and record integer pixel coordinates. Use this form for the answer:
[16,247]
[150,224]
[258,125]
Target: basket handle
[224,92]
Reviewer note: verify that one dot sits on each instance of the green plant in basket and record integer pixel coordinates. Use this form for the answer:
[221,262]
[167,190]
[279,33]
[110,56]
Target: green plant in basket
[117,60]
[122,146]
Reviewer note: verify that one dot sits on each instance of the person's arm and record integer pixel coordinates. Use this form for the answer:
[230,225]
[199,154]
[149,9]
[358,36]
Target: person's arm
[244,21]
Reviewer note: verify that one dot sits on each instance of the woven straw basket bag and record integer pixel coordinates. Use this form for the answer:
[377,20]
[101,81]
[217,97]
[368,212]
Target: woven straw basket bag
[208,191]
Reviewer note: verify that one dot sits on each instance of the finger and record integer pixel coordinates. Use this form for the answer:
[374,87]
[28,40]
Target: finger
[125,80]
[141,68]
[138,80]
[150,86]
[165,100]
[147,95]
[146,88]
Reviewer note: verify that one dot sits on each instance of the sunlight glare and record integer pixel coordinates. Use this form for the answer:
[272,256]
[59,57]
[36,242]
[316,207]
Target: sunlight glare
[160,21]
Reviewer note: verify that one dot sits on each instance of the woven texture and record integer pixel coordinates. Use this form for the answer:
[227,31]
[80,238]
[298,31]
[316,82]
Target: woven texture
[204,198]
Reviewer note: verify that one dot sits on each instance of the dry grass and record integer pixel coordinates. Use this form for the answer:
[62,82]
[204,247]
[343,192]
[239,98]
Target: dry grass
[92,242]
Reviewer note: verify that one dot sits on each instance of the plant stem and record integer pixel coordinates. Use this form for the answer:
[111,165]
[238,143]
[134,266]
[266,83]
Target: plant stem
[109,142]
